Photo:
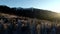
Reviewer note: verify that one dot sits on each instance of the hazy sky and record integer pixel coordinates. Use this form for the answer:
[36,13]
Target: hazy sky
[53,5]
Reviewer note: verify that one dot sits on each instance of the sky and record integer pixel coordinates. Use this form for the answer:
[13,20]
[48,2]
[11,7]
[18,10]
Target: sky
[53,5]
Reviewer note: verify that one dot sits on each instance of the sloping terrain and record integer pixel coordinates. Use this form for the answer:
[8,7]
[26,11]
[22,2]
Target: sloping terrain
[31,12]
[35,17]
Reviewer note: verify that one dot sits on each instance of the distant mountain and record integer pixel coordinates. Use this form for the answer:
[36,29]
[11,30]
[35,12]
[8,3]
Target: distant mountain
[31,12]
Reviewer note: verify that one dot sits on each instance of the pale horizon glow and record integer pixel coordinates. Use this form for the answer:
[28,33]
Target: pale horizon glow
[52,5]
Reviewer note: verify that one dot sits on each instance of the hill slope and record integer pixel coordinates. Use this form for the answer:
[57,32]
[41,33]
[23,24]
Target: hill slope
[31,12]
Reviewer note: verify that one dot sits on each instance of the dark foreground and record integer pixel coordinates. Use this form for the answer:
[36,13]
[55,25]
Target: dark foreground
[19,26]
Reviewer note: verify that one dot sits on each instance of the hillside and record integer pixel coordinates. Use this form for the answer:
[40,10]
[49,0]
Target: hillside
[30,17]
[31,12]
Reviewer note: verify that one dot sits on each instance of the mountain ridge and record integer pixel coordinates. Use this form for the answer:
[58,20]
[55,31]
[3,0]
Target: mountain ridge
[31,12]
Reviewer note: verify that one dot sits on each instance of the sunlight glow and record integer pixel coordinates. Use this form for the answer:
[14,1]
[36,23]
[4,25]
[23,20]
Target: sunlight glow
[57,11]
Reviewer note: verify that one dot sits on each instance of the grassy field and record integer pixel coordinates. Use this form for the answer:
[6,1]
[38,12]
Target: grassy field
[31,21]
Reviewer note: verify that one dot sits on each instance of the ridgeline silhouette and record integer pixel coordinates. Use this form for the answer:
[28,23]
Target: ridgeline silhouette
[30,12]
